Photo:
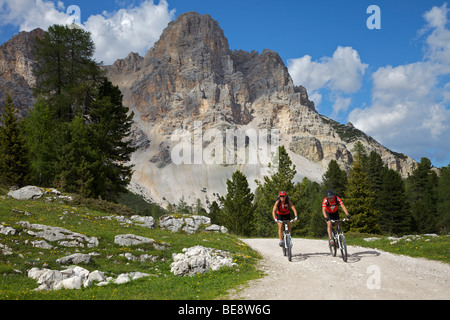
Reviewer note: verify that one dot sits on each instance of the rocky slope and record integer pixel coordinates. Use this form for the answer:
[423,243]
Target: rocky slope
[191,75]
[190,85]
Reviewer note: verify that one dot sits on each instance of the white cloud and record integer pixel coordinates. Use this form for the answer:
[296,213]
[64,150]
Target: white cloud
[439,40]
[31,14]
[114,34]
[342,74]
[135,29]
[410,103]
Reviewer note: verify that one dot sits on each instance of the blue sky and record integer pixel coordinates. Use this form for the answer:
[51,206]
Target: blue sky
[393,83]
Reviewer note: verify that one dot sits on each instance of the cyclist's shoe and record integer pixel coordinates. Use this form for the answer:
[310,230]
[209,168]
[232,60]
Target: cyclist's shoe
[281,243]
[331,242]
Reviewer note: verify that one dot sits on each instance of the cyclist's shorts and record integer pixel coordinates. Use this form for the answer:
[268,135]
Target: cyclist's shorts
[283,217]
[334,216]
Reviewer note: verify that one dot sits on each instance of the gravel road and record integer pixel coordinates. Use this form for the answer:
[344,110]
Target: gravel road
[368,274]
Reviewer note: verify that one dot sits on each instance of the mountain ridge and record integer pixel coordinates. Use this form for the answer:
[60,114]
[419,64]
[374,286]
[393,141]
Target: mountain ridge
[191,77]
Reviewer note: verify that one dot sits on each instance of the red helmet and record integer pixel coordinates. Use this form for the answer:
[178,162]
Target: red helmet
[282,193]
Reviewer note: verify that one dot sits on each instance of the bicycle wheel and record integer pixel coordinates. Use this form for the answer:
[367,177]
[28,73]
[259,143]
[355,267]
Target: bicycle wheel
[284,245]
[343,247]
[289,247]
[333,247]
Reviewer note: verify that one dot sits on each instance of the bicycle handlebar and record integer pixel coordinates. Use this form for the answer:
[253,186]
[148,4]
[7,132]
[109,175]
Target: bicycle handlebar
[285,221]
[343,220]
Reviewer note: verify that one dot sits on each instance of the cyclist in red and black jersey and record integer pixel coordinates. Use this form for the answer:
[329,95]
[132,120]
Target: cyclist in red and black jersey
[330,206]
[282,211]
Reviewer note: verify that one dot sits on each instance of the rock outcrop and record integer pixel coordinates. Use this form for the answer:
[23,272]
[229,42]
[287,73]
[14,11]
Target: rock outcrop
[199,259]
[77,277]
[189,224]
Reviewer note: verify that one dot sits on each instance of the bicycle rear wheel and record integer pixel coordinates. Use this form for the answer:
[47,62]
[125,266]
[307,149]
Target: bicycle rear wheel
[343,247]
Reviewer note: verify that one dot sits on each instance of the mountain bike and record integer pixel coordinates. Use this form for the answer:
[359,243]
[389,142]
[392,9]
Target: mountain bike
[287,240]
[339,239]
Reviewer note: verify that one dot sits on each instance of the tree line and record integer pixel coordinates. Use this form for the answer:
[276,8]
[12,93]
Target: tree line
[75,137]
[377,198]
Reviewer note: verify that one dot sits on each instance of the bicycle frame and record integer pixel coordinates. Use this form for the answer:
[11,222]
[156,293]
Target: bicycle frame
[339,238]
[287,240]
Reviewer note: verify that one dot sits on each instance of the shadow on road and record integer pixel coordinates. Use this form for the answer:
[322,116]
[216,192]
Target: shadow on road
[296,257]
[357,256]
[352,257]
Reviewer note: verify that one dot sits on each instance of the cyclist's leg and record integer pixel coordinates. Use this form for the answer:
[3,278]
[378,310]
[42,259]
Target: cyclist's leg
[333,216]
[280,231]
[280,228]
[329,230]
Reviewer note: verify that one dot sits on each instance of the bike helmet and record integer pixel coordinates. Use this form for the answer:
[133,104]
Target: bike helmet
[330,194]
[282,194]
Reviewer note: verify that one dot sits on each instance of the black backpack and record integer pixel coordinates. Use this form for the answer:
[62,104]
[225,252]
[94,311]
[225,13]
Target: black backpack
[279,201]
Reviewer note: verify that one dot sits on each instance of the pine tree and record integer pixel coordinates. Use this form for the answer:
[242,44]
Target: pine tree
[359,152]
[66,73]
[44,139]
[422,195]
[393,206]
[335,179]
[14,160]
[360,201]
[214,212]
[238,209]
[443,204]
[110,127]
[309,208]
[182,207]
[375,171]
[76,169]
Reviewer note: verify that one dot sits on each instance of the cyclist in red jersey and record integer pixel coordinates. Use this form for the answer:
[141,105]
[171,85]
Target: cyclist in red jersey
[330,206]
[282,211]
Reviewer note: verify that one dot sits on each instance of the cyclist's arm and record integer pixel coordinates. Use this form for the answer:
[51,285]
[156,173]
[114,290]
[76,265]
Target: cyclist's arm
[274,210]
[293,208]
[345,209]
[324,212]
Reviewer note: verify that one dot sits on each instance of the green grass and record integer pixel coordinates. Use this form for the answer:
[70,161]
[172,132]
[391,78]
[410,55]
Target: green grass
[163,285]
[433,248]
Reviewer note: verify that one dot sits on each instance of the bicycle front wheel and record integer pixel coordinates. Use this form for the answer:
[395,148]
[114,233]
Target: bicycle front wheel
[332,248]
[289,247]
[343,247]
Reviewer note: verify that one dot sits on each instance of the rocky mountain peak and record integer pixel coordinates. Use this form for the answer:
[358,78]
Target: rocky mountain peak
[191,33]
[16,69]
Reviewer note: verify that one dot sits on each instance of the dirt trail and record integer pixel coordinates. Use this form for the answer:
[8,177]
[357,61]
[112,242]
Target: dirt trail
[368,274]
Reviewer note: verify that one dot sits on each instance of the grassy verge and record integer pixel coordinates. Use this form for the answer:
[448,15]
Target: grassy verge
[162,285]
[433,248]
